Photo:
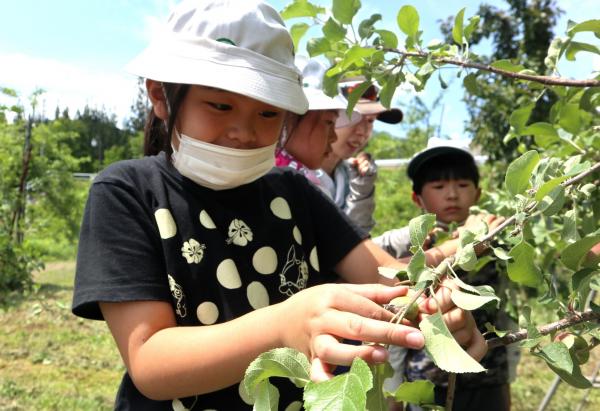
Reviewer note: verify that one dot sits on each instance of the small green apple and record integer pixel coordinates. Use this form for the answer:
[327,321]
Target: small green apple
[411,312]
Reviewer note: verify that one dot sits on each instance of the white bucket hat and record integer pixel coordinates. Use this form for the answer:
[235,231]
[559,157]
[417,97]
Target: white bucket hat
[240,46]
[312,77]
[369,102]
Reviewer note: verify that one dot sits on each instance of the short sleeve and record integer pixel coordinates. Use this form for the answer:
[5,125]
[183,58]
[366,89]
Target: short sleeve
[120,255]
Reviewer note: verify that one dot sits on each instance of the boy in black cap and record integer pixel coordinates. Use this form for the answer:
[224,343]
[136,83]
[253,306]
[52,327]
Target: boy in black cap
[446,183]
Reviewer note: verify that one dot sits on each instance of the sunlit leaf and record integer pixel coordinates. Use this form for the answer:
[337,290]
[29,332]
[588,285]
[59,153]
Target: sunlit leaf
[548,186]
[388,38]
[346,391]
[458,29]
[317,46]
[376,400]
[507,65]
[572,256]
[416,392]
[466,257]
[554,52]
[570,118]
[279,362]
[420,227]
[468,301]
[266,397]
[522,269]
[544,133]
[365,28]
[345,10]
[471,27]
[443,348]
[519,172]
[333,31]
[575,47]
[408,20]
[297,31]
[519,117]
[301,8]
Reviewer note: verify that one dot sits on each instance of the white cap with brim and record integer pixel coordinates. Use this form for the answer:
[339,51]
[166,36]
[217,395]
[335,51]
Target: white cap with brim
[436,147]
[312,73]
[236,45]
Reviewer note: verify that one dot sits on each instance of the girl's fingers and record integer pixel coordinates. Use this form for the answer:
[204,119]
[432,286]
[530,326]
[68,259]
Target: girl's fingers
[320,371]
[356,327]
[478,346]
[329,351]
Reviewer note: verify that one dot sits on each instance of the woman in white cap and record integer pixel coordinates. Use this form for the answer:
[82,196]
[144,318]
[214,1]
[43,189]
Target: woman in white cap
[199,259]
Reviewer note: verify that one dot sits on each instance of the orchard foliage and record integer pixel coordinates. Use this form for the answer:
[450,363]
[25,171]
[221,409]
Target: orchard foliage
[549,197]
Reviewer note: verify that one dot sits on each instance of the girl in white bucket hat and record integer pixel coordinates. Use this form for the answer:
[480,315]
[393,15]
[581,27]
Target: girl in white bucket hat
[199,259]
[306,142]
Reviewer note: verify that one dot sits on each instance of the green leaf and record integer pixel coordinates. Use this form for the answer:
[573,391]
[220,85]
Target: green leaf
[557,354]
[416,392]
[345,10]
[501,254]
[388,38]
[466,258]
[519,172]
[408,20]
[443,349]
[355,95]
[317,46]
[544,133]
[443,84]
[548,186]
[471,27]
[580,282]
[279,362]
[553,202]
[554,52]
[570,232]
[468,301]
[507,65]
[470,83]
[333,31]
[465,286]
[522,269]
[387,91]
[266,397]
[576,378]
[365,28]
[346,391]
[575,47]
[588,25]
[376,399]
[297,31]
[519,117]
[570,118]
[458,29]
[416,266]
[356,56]
[572,256]
[301,8]
[419,228]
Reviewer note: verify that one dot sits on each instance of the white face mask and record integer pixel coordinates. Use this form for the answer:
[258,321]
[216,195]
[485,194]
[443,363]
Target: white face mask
[218,167]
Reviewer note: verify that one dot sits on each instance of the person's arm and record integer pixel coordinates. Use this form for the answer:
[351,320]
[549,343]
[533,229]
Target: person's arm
[360,202]
[166,361]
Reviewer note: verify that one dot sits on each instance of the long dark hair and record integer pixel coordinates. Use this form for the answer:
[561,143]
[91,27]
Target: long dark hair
[157,135]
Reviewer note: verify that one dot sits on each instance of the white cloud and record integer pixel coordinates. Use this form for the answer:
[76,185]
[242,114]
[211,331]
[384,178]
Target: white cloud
[68,85]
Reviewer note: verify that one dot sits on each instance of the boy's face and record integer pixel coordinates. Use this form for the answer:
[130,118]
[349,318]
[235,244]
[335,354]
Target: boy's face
[449,200]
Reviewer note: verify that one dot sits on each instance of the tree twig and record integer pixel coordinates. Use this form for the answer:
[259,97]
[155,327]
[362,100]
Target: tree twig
[547,80]
[575,318]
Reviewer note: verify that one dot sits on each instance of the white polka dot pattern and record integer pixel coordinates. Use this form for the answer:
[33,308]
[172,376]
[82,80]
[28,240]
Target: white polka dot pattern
[207,313]
[297,235]
[257,294]
[206,221]
[281,208]
[166,224]
[228,275]
[314,259]
[264,260]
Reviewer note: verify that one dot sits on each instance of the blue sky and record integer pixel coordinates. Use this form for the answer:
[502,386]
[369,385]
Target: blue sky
[76,50]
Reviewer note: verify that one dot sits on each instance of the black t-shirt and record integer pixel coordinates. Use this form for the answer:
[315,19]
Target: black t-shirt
[150,234]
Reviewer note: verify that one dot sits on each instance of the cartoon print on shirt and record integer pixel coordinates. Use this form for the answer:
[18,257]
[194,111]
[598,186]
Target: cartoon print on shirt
[193,251]
[293,265]
[239,233]
[179,296]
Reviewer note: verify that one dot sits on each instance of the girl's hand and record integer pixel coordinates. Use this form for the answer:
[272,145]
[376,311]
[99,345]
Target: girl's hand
[318,319]
[460,322]
[363,163]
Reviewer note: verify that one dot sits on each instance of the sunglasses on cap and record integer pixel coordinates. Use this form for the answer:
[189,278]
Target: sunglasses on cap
[370,93]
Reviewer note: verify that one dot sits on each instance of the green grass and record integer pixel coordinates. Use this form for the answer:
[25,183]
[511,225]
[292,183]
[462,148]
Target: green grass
[51,360]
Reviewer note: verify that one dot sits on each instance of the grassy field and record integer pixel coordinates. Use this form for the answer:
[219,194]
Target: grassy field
[51,360]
